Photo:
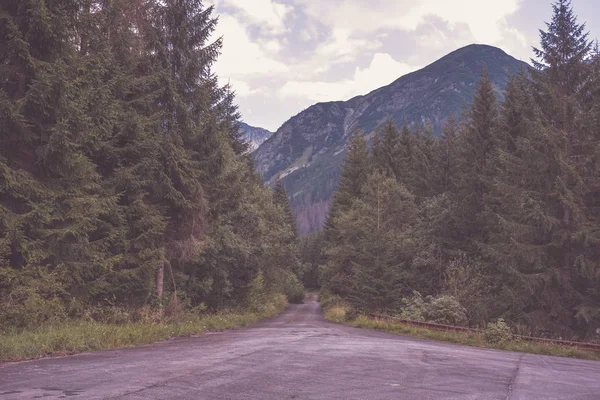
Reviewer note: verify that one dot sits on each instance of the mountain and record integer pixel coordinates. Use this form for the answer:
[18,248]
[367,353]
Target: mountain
[308,148]
[254,136]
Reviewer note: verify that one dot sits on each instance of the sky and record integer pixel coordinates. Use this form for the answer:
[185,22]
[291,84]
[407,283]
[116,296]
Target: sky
[281,56]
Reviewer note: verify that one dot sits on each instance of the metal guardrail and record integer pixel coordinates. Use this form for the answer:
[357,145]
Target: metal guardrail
[452,328]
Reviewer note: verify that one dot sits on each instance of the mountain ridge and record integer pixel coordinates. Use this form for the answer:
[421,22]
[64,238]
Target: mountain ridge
[308,148]
[254,136]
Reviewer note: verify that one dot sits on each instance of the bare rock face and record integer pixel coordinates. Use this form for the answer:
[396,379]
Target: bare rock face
[307,149]
[254,136]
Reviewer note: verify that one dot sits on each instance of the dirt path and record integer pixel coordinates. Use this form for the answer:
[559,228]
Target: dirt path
[299,355]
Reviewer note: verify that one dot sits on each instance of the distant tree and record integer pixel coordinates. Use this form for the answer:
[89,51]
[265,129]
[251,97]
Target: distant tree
[477,144]
[560,68]
[370,264]
[355,169]
[385,153]
[281,198]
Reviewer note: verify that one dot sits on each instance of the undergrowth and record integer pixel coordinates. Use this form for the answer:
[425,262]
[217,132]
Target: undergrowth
[82,336]
[336,311]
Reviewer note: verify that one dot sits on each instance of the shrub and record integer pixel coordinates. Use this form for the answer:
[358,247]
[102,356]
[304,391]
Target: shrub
[294,291]
[257,296]
[442,309]
[326,299]
[173,310]
[497,332]
[31,298]
[466,282]
[336,313]
[352,313]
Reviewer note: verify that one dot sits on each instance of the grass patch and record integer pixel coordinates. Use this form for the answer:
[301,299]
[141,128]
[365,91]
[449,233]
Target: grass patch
[82,336]
[337,313]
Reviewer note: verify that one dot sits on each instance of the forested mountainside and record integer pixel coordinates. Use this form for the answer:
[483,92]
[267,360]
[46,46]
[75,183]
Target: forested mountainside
[124,181]
[306,151]
[498,218]
[254,136]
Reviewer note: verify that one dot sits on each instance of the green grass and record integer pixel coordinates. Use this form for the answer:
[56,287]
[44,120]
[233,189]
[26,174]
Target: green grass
[81,336]
[337,313]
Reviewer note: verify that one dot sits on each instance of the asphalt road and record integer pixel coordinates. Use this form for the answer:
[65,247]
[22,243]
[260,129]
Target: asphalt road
[299,355]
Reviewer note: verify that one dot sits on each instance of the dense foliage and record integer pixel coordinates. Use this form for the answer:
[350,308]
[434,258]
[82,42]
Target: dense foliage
[123,179]
[500,218]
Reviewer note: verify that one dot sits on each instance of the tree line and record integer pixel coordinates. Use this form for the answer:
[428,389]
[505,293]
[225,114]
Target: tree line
[498,218]
[123,178]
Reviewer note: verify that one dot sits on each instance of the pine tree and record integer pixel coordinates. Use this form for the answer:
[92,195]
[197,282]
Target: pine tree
[280,197]
[406,157]
[355,169]
[60,122]
[310,249]
[123,179]
[544,240]
[447,162]
[516,111]
[477,143]
[385,152]
[375,242]
[424,173]
[560,70]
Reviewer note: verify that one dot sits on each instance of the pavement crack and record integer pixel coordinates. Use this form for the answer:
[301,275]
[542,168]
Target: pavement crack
[513,378]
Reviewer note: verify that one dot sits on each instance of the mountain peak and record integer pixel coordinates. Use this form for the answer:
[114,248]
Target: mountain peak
[253,135]
[308,148]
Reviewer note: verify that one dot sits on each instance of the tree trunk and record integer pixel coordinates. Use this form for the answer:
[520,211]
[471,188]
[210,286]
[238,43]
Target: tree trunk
[160,277]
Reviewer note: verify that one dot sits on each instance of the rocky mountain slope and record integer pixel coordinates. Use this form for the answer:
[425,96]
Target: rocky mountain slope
[307,149]
[254,136]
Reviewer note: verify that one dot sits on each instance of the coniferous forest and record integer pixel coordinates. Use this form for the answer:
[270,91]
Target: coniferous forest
[124,183]
[123,179]
[498,218]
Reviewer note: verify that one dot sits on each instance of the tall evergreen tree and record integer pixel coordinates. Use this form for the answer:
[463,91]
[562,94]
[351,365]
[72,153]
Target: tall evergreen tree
[122,176]
[560,67]
[375,241]
[355,170]
[385,152]
[280,197]
[545,240]
[477,143]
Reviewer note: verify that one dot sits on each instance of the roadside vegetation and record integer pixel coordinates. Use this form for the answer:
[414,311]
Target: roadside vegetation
[497,335]
[499,218]
[127,330]
[130,207]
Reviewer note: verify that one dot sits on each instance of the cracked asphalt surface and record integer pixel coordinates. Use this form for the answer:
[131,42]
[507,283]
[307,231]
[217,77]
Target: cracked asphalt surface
[299,355]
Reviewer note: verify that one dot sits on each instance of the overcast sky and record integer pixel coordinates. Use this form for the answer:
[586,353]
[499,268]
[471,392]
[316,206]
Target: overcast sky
[281,56]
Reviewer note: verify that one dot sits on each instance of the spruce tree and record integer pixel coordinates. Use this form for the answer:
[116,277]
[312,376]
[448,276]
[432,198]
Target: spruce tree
[560,68]
[385,152]
[280,197]
[60,122]
[447,162]
[355,170]
[375,242]
[477,144]
[543,243]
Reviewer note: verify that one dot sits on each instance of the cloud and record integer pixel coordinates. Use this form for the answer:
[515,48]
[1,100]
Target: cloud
[285,55]
[242,58]
[342,45]
[382,70]
[484,18]
[267,14]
